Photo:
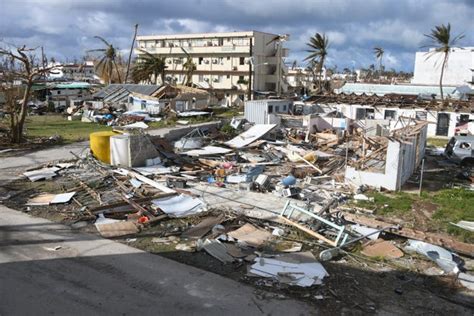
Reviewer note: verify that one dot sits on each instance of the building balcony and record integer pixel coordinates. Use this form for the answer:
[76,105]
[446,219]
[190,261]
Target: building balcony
[197,50]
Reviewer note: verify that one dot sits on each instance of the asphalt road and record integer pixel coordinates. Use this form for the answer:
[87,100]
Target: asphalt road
[89,275]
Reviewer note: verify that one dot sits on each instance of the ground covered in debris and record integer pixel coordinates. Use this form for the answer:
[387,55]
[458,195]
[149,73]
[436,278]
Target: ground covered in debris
[276,216]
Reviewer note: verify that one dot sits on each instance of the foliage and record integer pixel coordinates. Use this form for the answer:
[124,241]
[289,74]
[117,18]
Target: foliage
[149,66]
[441,38]
[318,51]
[108,61]
[399,202]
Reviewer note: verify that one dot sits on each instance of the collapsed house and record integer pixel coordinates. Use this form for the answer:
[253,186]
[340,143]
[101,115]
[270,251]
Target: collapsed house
[388,162]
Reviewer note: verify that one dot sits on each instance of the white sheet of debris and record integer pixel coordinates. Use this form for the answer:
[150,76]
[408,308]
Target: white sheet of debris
[45,173]
[299,269]
[208,151]
[180,205]
[249,136]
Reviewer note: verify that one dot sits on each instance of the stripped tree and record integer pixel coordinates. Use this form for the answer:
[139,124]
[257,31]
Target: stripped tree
[16,82]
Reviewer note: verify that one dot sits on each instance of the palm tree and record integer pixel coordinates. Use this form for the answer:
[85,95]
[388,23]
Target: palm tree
[149,66]
[319,45]
[108,62]
[441,38]
[378,51]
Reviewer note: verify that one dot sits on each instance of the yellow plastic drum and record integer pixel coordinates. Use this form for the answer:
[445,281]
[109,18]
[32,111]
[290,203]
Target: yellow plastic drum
[100,145]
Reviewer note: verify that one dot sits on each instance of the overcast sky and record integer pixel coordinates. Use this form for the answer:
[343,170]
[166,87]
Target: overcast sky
[66,27]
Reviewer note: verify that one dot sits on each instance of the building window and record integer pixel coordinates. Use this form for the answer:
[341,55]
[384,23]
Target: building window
[241,78]
[228,76]
[200,60]
[59,91]
[228,57]
[284,108]
[390,114]
[463,119]
[362,114]
[242,61]
[277,108]
[220,41]
[270,109]
[201,78]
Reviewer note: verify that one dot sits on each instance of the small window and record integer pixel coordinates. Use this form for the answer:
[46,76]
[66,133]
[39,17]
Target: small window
[201,59]
[390,114]
[463,119]
[284,108]
[465,145]
[228,76]
[277,108]
[242,61]
[241,78]
[59,91]
[228,57]
[270,109]
[201,78]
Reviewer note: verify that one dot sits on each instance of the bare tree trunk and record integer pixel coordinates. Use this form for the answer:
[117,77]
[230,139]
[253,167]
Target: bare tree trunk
[117,71]
[442,74]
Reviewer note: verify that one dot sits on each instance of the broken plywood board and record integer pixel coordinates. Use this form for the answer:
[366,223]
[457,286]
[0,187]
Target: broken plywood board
[203,227]
[382,248]
[251,235]
[116,229]
[252,134]
[48,198]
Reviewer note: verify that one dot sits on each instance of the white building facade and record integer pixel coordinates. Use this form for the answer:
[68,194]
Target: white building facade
[459,70]
[233,66]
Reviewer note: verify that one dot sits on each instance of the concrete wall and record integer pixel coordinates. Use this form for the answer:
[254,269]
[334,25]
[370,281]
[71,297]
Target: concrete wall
[458,72]
[431,116]
[402,159]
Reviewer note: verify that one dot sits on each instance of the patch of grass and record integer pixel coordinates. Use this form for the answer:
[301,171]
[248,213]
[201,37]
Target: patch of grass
[226,112]
[436,142]
[455,205]
[70,131]
[399,202]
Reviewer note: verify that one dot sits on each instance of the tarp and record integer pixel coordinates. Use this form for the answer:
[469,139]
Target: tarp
[254,133]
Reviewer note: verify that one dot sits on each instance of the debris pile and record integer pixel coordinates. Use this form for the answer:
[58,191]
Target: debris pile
[262,198]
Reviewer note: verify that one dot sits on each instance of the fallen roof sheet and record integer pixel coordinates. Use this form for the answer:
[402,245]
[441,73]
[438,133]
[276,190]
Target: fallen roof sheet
[254,133]
[208,151]
[180,205]
[300,269]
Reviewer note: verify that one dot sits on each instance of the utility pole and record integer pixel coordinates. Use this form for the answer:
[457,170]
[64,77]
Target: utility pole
[250,88]
[130,54]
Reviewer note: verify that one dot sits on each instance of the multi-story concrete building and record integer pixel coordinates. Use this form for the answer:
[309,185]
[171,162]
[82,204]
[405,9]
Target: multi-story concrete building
[459,70]
[73,72]
[233,66]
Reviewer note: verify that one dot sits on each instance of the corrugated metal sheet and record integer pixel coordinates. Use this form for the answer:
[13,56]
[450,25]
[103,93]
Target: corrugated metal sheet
[146,89]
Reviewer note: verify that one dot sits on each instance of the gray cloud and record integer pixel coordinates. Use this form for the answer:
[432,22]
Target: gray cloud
[66,27]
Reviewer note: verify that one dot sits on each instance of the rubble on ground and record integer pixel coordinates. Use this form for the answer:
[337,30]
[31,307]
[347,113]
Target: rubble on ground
[263,199]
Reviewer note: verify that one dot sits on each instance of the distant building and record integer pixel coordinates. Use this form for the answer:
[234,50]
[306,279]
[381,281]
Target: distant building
[73,72]
[302,79]
[230,65]
[70,93]
[459,70]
